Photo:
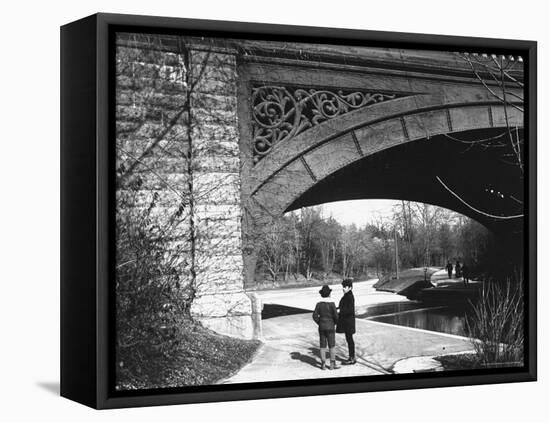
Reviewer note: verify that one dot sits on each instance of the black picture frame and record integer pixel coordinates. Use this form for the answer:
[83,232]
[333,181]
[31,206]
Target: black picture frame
[87,223]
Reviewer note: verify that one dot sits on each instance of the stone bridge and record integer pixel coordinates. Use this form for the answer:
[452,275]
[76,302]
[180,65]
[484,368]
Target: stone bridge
[304,124]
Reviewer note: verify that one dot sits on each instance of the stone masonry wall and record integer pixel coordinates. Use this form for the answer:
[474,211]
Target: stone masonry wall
[152,148]
[221,302]
[177,148]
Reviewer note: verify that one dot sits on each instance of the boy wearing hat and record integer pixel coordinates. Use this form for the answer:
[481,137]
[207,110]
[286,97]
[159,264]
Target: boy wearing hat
[346,320]
[326,316]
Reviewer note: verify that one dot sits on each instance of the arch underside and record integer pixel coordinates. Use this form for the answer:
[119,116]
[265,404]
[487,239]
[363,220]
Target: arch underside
[409,172]
[395,150]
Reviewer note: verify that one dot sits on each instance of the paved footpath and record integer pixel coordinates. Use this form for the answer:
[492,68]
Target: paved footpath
[291,349]
[441,279]
[305,298]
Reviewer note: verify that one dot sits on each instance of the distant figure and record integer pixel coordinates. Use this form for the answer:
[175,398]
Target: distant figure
[449,268]
[458,269]
[326,316]
[346,319]
[465,274]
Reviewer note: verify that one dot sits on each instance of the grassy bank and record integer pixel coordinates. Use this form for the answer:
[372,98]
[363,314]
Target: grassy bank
[471,361]
[459,362]
[196,356]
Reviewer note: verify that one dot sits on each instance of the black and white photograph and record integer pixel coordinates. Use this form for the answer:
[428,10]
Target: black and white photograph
[299,211]
[292,211]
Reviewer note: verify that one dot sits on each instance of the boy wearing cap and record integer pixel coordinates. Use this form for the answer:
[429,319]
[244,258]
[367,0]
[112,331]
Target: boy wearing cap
[326,316]
[346,320]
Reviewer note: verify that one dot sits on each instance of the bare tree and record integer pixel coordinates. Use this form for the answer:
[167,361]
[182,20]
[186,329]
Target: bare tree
[328,239]
[502,77]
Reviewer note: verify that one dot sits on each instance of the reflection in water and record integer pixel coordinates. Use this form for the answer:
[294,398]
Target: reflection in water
[438,319]
[387,308]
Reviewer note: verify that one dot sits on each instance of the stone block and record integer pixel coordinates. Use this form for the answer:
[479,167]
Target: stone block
[216,188]
[174,182]
[205,146]
[221,117]
[215,87]
[217,228]
[216,133]
[222,106]
[222,305]
[218,164]
[467,118]
[332,155]
[284,187]
[133,100]
[218,263]
[378,136]
[214,211]
[427,124]
[218,245]
[144,197]
[515,117]
[244,327]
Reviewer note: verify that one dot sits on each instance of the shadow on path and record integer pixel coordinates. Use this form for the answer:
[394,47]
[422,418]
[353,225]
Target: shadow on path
[275,310]
[372,365]
[307,359]
[313,358]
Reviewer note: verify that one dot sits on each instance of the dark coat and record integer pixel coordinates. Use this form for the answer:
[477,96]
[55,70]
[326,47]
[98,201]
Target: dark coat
[346,319]
[325,315]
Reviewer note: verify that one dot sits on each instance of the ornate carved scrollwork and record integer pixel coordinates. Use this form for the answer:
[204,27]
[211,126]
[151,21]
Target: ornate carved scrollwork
[281,113]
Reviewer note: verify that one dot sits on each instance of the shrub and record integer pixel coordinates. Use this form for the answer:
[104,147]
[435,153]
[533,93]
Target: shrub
[496,326]
[151,297]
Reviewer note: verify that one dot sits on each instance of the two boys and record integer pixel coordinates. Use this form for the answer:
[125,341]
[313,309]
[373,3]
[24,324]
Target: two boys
[330,322]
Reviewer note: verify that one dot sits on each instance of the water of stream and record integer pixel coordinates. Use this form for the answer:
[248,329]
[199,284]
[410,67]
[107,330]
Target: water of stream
[439,319]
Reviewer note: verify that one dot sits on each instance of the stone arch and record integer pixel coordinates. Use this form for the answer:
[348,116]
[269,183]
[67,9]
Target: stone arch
[294,166]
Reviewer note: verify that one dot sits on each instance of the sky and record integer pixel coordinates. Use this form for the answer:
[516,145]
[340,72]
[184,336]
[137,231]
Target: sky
[359,212]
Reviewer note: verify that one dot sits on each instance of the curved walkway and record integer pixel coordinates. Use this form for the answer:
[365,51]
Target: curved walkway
[291,350]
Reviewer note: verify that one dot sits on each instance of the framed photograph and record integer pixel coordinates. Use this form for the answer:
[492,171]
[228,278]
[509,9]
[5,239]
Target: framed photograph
[256,211]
